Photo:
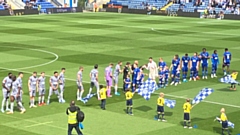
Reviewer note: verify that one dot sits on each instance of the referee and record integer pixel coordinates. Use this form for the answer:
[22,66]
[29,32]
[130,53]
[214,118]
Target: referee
[125,73]
[72,113]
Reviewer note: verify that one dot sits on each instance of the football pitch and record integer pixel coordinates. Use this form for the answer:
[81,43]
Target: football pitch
[48,43]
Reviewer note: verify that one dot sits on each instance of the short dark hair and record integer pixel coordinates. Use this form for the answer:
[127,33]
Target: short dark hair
[226,49]
[20,73]
[55,72]
[204,49]
[9,73]
[34,72]
[150,57]
[63,68]
[72,103]
[42,72]
[214,51]
[128,63]
[128,89]
[96,66]
[80,67]
[101,86]
[186,54]
[119,62]
[111,64]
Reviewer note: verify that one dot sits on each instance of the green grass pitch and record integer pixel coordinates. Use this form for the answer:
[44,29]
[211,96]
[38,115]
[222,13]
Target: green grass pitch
[48,43]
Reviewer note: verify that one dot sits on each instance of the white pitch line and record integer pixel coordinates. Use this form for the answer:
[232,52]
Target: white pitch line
[211,102]
[44,123]
[39,65]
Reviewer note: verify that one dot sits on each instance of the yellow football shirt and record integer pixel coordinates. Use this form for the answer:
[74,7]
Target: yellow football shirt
[187,107]
[223,117]
[160,101]
[129,95]
[103,93]
[234,75]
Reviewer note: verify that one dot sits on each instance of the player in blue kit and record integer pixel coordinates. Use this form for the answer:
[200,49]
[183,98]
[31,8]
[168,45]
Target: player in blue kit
[194,65]
[166,73]
[227,57]
[161,74]
[177,77]
[161,63]
[136,76]
[141,78]
[204,60]
[185,62]
[215,62]
[199,63]
[174,66]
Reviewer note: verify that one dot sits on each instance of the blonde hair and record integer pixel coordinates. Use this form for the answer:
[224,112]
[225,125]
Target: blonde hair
[222,110]
[161,94]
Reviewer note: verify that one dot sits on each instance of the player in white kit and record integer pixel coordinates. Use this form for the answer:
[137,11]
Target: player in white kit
[41,89]
[6,88]
[80,89]
[116,73]
[94,80]
[15,96]
[53,87]
[19,99]
[32,87]
[62,84]
[153,70]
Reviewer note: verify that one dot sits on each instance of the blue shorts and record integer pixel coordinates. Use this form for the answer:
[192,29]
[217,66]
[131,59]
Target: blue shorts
[129,102]
[194,69]
[186,116]
[160,109]
[185,69]
[139,82]
[174,72]
[226,64]
[134,81]
[224,124]
[214,66]
[204,65]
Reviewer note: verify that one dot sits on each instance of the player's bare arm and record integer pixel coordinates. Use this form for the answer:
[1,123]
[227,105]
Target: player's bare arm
[3,84]
[51,85]
[37,84]
[29,85]
[97,77]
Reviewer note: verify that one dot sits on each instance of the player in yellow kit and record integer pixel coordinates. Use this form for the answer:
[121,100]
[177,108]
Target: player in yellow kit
[187,109]
[234,76]
[103,96]
[224,120]
[129,101]
[160,107]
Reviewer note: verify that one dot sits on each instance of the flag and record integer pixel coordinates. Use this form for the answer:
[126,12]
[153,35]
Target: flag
[81,125]
[147,88]
[86,99]
[228,79]
[230,124]
[202,95]
[170,103]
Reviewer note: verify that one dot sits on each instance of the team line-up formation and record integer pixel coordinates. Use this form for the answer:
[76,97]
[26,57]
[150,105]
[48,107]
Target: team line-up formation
[12,85]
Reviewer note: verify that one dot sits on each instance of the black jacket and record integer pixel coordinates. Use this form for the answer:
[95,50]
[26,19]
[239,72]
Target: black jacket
[72,109]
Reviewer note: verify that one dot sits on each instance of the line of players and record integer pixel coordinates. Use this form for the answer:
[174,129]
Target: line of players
[13,89]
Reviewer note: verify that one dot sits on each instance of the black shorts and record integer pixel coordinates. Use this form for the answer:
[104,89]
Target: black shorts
[186,116]
[224,124]
[160,109]
[129,102]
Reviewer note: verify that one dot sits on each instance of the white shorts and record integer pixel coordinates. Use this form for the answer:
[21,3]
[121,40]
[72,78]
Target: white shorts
[41,92]
[14,95]
[6,94]
[62,87]
[94,84]
[79,86]
[32,93]
[152,75]
[115,80]
[51,91]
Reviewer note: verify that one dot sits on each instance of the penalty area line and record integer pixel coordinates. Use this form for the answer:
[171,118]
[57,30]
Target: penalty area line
[34,125]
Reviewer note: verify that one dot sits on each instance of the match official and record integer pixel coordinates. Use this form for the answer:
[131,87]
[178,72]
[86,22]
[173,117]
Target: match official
[125,74]
[73,120]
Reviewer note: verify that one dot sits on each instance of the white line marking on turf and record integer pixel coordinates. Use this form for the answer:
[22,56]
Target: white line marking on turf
[211,102]
[34,125]
[39,65]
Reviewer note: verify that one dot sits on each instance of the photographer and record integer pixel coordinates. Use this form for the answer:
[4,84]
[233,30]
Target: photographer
[74,117]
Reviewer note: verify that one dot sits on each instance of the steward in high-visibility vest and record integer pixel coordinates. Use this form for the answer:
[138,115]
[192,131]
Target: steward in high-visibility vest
[73,122]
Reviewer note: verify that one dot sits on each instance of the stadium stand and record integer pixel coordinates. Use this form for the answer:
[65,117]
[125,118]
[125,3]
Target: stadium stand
[226,6]
[34,4]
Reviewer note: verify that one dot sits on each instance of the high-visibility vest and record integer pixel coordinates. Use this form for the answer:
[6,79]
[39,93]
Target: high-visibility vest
[72,117]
